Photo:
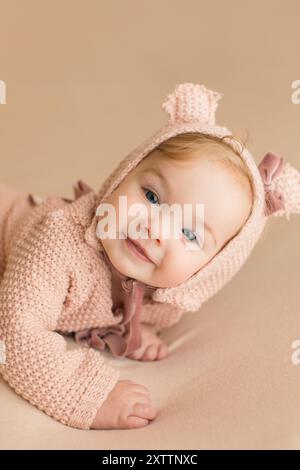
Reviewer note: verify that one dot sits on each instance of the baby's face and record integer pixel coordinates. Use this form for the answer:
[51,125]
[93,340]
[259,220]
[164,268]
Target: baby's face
[193,181]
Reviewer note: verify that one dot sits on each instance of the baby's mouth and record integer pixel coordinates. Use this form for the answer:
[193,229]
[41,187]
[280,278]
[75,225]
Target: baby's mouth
[137,250]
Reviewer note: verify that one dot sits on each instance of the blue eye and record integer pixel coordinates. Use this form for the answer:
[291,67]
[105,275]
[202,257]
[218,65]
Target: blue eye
[191,239]
[150,193]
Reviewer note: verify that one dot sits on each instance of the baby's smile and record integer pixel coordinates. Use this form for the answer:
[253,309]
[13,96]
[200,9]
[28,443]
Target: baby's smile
[137,250]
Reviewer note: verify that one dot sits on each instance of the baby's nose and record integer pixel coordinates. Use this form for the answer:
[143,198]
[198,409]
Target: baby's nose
[160,227]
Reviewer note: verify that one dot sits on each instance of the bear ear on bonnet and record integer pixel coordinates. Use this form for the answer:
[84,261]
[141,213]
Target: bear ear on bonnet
[191,102]
[282,186]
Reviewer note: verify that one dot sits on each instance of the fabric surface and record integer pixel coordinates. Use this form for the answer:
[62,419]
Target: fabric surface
[228,382]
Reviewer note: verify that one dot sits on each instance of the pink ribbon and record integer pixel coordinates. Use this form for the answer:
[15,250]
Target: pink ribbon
[124,338]
[270,168]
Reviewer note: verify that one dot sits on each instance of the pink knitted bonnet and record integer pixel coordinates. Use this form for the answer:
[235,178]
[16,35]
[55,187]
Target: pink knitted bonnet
[191,108]
[276,184]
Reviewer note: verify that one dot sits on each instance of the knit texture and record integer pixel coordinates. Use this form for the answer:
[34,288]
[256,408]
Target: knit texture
[55,282]
[55,278]
[191,108]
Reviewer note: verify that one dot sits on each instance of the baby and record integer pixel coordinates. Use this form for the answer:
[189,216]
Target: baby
[188,168]
[62,274]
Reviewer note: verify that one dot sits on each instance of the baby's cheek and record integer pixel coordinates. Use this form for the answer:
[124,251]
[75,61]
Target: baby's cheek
[188,262]
[176,270]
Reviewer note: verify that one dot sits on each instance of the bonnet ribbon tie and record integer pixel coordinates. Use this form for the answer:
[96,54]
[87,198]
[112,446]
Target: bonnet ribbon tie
[270,167]
[125,337]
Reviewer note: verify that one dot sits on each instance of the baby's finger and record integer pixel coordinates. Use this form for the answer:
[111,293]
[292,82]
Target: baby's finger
[163,351]
[143,397]
[150,353]
[136,422]
[136,354]
[144,411]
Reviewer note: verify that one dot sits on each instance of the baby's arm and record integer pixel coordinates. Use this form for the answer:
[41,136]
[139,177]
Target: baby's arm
[70,385]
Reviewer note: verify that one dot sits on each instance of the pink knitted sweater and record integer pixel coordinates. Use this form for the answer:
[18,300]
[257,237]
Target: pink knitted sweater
[53,279]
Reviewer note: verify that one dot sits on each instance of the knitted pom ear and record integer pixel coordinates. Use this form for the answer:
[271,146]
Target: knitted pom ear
[80,188]
[288,184]
[192,102]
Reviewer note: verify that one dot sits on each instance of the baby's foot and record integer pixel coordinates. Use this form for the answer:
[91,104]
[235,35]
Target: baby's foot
[152,347]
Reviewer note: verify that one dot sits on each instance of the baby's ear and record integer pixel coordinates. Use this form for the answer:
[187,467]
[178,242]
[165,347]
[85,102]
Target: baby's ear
[80,188]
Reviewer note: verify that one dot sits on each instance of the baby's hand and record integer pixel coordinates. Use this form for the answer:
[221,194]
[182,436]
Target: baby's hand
[127,406]
[152,347]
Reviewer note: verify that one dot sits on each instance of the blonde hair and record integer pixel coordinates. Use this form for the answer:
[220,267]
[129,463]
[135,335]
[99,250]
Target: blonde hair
[215,149]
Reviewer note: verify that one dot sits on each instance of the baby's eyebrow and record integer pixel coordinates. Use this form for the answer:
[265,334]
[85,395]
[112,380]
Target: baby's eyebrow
[161,175]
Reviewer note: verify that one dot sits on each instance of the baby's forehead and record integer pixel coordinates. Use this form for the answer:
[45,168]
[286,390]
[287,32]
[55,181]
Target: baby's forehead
[180,167]
[193,180]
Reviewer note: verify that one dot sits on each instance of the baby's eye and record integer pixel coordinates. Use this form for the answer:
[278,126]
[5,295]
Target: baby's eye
[191,235]
[149,196]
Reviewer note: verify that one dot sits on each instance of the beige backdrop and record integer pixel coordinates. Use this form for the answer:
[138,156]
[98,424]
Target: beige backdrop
[85,81]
